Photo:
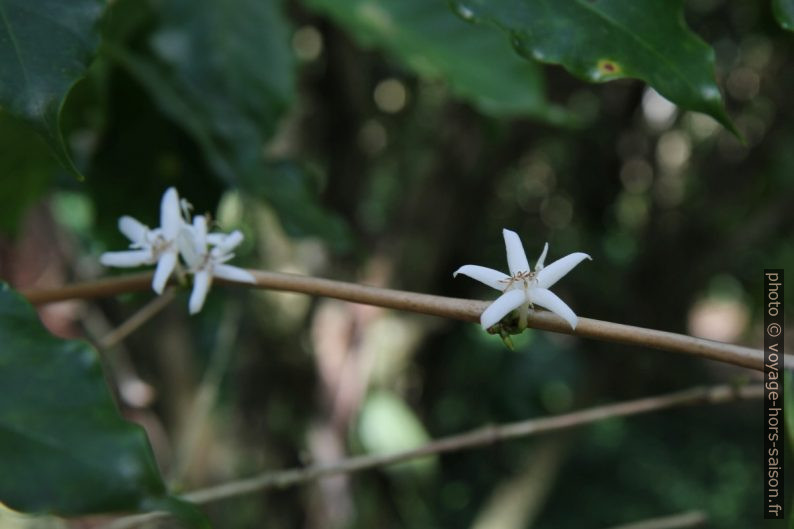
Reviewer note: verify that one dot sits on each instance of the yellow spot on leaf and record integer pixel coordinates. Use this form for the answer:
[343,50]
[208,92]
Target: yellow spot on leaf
[608,68]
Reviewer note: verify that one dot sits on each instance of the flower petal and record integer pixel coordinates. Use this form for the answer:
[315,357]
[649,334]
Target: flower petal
[230,241]
[186,243]
[556,270]
[170,214]
[549,300]
[133,229]
[187,207]
[233,273]
[202,280]
[488,276]
[500,308]
[542,258]
[216,238]
[200,234]
[516,258]
[165,265]
[127,259]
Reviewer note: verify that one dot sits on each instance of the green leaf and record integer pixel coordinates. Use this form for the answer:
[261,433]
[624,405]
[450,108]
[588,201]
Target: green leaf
[224,72]
[45,47]
[474,60]
[65,448]
[231,65]
[602,40]
[181,509]
[784,13]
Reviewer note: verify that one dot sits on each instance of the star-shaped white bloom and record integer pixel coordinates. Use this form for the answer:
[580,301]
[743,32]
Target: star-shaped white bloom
[524,288]
[151,246]
[206,255]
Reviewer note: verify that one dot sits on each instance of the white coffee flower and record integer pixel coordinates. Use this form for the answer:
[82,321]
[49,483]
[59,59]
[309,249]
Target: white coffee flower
[151,246]
[203,254]
[524,288]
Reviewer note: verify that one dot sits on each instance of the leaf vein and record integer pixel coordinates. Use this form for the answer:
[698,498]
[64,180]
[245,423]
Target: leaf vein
[644,43]
[15,44]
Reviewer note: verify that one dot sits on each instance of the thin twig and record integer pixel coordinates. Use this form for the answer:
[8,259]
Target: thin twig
[454,308]
[134,322]
[676,521]
[206,395]
[477,438]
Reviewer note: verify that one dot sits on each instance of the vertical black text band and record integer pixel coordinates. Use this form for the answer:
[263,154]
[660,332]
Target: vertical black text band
[774,444]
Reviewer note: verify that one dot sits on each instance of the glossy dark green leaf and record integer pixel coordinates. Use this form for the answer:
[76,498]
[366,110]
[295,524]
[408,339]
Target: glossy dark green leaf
[45,47]
[475,61]
[602,40]
[784,13]
[65,448]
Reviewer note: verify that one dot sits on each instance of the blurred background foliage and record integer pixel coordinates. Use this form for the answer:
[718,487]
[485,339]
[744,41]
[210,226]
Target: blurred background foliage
[388,143]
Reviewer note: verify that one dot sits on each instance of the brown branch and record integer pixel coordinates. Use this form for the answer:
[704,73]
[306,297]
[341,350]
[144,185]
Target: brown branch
[97,288]
[454,308]
[473,439]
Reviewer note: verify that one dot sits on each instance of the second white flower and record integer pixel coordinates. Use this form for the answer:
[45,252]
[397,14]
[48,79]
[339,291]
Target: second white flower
[524,288]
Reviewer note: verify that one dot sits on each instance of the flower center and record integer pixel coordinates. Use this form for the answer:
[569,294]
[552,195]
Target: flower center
[524,277]
[159,243]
